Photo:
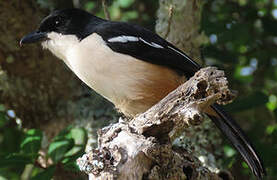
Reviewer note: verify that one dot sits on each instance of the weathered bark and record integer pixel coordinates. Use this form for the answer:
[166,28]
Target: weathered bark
[142,148]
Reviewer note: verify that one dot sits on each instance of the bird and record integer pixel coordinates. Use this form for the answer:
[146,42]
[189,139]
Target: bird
[131,66]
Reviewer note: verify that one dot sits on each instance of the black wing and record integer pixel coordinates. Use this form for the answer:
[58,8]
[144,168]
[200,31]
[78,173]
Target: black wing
[147,46]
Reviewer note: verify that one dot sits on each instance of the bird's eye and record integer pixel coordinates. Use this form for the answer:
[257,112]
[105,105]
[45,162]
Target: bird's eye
[58,21]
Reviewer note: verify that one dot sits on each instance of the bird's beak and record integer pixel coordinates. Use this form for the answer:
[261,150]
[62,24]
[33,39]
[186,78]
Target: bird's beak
[33,37]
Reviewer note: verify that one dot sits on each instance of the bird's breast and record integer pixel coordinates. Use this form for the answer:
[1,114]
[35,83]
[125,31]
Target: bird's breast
[131,84]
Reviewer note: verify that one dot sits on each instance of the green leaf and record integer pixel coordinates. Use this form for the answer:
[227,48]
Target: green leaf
[70,163]
[229,151]
[75,150]
[253,100]
[125,3]
[3,119]
[79,136]
[47,174]
[129,15]
[58,149]
[11,141]
[270,25]
[2,108]
[89,6]
[244,165]
[3,178]
[271,128]
[15,160]
[275,114]
[64,134]
[272,102]
[69,142]
[32,141]
[240,76]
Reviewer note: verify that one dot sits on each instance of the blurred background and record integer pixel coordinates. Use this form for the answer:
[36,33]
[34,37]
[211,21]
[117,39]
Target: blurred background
[47,115]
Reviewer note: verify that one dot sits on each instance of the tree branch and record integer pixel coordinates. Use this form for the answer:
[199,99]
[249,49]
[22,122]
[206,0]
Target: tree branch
[106,12]
[142,148]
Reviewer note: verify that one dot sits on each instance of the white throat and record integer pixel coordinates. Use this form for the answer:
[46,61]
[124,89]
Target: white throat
[60,44]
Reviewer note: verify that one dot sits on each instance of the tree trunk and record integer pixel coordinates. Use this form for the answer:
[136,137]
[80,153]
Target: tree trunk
[179,23]
[33,82]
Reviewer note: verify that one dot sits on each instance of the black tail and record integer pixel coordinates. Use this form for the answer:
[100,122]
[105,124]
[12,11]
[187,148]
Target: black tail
[234,133]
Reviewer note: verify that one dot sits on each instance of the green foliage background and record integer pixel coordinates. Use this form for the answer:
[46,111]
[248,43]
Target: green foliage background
[241,39]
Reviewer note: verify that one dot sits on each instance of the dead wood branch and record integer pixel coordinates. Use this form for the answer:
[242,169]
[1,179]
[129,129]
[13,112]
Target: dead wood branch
[142,148]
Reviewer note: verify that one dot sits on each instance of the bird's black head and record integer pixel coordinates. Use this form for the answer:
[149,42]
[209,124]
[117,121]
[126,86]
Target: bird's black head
[68,21]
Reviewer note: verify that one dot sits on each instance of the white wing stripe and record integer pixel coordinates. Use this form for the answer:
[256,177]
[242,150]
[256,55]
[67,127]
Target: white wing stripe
[178,52]
[125,39]
[155,45]
[184,55]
